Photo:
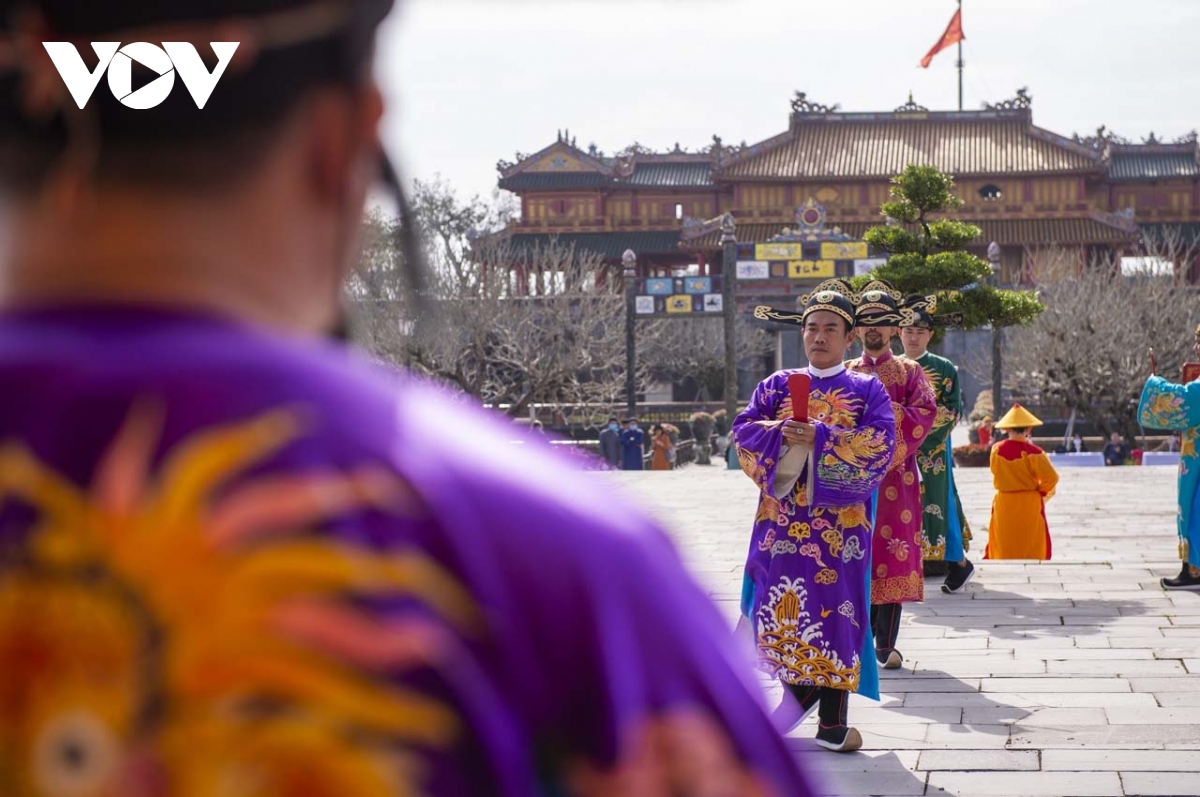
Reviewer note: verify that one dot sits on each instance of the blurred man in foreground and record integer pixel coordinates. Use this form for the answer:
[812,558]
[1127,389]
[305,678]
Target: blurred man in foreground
[233,559]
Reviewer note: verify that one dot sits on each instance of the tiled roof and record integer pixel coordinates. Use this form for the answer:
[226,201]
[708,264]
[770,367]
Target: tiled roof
[1043,232]
[672,175]
[696,174]
[884,145]
[1153,166]
[554,181]
[749,232]
[609,245]
[1180,234]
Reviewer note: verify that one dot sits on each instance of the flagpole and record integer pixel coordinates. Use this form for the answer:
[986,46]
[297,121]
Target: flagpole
[960,60]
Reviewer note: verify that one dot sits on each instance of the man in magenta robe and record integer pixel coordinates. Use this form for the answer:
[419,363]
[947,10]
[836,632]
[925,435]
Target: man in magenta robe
[897,575]
[806,594]
[236,559]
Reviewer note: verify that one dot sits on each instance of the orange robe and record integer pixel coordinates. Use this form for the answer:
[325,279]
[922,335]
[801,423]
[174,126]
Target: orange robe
[1024,480]
[660,444]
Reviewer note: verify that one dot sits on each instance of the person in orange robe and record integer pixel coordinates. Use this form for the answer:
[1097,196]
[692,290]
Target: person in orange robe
[1024,480]
[660,443]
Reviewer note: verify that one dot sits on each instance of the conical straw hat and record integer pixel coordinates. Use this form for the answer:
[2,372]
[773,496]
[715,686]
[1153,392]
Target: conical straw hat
[1018,418]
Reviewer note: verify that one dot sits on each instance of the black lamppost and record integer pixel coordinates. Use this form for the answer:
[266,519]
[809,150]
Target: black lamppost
[729,313]
[629,261]
[993,255]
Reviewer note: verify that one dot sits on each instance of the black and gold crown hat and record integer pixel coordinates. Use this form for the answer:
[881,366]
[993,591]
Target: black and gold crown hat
[879,305]
[833,295]
[919,311]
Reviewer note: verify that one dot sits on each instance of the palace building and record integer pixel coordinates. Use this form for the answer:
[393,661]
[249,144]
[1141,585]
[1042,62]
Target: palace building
[1026,187]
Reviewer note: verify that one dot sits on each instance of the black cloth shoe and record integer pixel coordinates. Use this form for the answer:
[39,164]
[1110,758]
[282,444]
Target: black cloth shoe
[958,577]
[935,568]
[839,739]
[1185,580]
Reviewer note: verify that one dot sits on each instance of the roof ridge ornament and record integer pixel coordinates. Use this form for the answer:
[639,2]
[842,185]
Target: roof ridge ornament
[911,106]
[1023,101]
[801,104]
[694,228]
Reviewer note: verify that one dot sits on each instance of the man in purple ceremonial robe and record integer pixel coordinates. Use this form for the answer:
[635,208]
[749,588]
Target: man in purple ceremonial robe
[897,575]
[235,559]
[806,571]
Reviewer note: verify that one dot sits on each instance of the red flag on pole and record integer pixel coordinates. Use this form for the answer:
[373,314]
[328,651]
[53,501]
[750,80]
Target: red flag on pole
[953,35]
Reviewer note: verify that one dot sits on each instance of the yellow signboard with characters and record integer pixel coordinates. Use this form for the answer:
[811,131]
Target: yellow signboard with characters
[679,304]
[808,269]
[778,251]
[843,250]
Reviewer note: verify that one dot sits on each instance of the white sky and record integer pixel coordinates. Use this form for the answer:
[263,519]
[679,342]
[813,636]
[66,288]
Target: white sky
[470,82]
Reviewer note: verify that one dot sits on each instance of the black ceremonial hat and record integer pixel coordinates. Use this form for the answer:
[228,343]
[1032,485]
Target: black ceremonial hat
[919,312]
[878,306]
[833,295]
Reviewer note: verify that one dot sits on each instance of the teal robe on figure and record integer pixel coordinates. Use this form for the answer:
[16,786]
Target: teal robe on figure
[1166,405]
[947,535]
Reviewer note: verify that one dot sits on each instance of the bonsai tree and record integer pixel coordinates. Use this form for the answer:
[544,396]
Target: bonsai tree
[720,422]
[927,255]
[702,431]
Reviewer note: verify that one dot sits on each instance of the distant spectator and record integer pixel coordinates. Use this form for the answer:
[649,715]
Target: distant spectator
[1077,445]
[632,440]
[662,447]
[1115,451]
[985,432]
[610,443]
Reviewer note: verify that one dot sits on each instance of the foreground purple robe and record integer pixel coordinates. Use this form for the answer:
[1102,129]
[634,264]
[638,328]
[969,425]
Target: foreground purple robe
[810,550]
[235,564]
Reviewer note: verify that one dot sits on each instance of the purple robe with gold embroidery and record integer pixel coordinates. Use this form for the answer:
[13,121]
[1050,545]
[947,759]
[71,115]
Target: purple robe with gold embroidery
[809,550]
[898,575]
[236,563]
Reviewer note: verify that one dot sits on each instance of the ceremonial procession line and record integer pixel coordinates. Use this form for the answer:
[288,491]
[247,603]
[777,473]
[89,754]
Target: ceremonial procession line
[1073,677]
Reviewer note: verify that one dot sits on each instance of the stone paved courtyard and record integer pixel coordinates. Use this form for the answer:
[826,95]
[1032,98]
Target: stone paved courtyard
[1074,677]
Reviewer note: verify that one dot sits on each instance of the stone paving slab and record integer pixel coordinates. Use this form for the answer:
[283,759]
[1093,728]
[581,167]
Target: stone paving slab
[1078,676]
[1031,784]
[979,760]
[1101,759]
[1169,784]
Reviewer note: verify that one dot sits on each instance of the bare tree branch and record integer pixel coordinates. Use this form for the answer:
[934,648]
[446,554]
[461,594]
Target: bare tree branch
[509,326]
[1088,350]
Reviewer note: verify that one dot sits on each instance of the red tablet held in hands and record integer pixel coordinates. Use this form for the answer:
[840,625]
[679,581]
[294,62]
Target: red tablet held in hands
[799,386]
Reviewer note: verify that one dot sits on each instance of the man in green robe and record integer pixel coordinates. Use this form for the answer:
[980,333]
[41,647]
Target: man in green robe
[946,533]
